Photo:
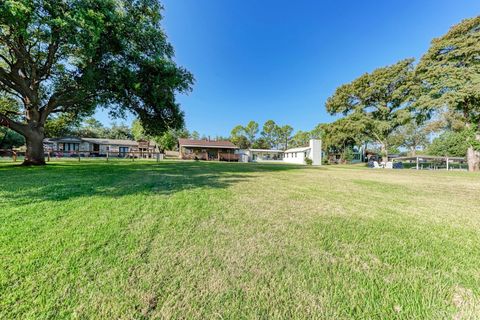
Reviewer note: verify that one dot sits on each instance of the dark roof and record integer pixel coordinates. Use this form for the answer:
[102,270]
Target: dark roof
[206,143]
[119,142]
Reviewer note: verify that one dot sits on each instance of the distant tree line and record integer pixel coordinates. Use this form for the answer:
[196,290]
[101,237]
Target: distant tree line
[270,136]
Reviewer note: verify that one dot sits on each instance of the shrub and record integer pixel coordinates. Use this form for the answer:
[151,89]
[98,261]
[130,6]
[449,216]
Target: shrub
[308,161]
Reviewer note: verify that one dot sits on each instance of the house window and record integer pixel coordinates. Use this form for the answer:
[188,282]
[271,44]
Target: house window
[71,146]
[122,151]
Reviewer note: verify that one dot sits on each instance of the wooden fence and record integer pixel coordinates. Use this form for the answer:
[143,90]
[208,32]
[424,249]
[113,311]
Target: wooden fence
[51,155]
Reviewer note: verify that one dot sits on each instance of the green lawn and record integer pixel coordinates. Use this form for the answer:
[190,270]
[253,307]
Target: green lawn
[148,240]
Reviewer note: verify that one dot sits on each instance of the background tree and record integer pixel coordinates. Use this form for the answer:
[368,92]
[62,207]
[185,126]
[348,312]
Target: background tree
[284,135]
[449,143]
[72,56]
[119,131]
[62,125]
[138,132]
[318,131]
[261,143]
[270,132]
[251,131]
[300,139]
[168,140]
[91,128]
[450,73]
[342,135]
[380,101]
[10,139]
[238,137]
[411,136]
[195,135]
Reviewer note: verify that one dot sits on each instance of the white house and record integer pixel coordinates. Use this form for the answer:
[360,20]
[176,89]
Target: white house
[259,155]
[298,155]
[294,155]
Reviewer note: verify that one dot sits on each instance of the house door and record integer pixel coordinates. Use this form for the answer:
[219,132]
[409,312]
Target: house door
[96,149]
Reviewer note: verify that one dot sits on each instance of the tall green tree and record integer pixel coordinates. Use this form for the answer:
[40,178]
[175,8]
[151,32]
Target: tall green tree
[342,135]
[411,136]
[449,143]
[195,135]
[300,139]
[10,139]
[285,135]
[270,132]
[119,131]
[251,131]
[238,137]
[167,141]
[450,74]
[318,131]
[138,132]
[261,143]
[380,101]
[70,56]
[62,125]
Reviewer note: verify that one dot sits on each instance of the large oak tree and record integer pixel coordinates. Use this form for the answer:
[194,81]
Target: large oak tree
[377,103]
[450,73]
[71,56]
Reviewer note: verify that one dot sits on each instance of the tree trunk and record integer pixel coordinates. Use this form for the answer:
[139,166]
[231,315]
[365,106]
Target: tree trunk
[473,157]
[384,153]
[413,151]
[35,155]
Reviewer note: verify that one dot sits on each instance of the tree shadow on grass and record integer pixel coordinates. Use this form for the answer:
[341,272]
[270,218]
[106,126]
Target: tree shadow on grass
[63,181]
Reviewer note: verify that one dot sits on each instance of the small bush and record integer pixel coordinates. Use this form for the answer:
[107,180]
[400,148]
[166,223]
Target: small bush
[308,161]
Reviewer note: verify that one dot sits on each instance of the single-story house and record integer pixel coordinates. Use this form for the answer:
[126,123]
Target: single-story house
[99,147]
[293,155]
[259,155]
[207,150]
[299,155]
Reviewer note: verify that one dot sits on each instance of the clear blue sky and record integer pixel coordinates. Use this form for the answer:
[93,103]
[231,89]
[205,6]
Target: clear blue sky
[280,60]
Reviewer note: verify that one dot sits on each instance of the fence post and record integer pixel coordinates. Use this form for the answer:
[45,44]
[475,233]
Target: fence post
[107,155]
[78,154]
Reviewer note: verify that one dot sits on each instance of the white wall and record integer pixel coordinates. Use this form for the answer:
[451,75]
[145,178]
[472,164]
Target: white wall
[295,157]
[316,152]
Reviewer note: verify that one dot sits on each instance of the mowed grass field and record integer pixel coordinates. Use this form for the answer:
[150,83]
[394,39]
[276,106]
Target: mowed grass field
[195,240]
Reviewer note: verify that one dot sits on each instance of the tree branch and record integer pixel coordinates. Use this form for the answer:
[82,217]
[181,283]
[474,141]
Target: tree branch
[6,60]
[15,126]
[46,68]
[16,83]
